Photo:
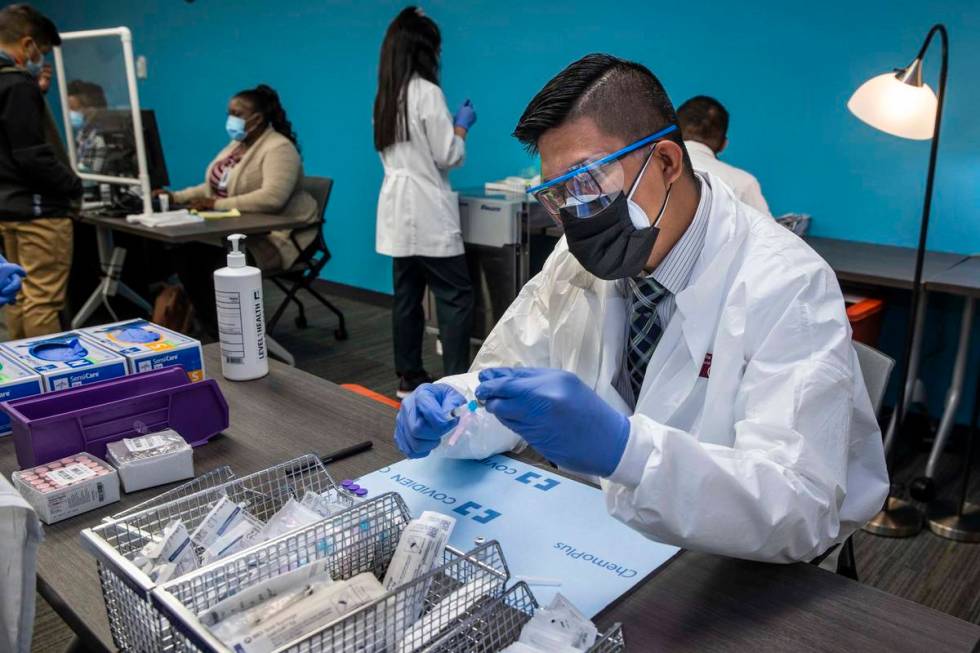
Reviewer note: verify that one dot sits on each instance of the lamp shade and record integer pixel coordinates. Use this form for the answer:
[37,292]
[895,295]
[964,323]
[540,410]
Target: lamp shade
[887,103]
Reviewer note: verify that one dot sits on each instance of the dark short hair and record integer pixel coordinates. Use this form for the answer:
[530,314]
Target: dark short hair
[20,20]
[624,99]
[90,94]
[704,119]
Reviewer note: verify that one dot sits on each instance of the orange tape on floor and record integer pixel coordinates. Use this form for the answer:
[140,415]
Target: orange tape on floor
[371,394]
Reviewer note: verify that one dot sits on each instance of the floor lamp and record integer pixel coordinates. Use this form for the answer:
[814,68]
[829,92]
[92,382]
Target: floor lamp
[901,104]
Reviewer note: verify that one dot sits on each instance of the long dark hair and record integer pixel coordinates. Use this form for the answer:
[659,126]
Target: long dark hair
[265,100]
[411,47]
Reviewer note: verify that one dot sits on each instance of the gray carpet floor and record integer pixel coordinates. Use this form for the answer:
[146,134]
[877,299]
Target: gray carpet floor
[926,569]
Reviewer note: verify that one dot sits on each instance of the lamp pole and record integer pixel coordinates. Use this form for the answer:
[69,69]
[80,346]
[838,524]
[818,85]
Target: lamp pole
[900,518]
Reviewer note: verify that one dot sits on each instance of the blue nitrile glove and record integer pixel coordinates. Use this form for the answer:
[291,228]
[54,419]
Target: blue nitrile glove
[465,116]
[561,417]
[424,418]
[10,276]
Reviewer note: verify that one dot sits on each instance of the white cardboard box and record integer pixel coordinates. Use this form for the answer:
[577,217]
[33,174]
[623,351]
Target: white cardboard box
[16,382]
[147,346]
[151,460]
[95,364]
[64,488]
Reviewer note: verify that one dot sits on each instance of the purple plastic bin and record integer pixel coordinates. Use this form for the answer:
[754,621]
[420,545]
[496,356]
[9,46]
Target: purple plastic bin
[51,426]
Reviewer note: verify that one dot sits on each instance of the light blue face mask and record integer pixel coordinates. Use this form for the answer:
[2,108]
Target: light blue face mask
[77,119]
[35,67]
[235,127]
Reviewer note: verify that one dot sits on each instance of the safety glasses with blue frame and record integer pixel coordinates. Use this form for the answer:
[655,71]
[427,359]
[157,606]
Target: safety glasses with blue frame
[590,187]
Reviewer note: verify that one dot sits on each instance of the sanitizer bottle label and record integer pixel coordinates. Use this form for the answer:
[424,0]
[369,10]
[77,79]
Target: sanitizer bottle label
[233,309]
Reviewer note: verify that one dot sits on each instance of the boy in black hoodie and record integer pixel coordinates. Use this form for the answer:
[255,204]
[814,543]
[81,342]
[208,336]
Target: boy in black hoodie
[38,189]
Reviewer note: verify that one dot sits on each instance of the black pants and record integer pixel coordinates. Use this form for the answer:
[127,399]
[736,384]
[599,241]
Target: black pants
[449,280]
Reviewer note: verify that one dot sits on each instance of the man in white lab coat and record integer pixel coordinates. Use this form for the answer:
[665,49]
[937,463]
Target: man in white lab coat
[678,345]
[704,124]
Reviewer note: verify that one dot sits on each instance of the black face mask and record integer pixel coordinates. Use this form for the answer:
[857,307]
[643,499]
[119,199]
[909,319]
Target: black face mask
[608,244]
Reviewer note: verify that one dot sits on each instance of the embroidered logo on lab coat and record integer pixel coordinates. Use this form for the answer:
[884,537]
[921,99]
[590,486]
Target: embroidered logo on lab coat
[706,366]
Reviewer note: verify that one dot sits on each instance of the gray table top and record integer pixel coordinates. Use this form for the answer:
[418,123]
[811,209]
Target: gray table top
[961,279]
[879,265]
[247,223]
[698,602]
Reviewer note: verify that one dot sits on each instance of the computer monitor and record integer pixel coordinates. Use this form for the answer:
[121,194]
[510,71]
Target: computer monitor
[116,128]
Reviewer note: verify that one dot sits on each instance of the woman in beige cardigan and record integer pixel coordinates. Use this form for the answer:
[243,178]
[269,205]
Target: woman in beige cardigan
[259,171]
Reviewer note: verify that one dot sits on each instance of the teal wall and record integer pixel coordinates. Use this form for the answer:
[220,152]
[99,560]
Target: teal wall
[785,73]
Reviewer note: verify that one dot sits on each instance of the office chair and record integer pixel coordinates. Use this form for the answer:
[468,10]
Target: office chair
[876,368]
[306,269]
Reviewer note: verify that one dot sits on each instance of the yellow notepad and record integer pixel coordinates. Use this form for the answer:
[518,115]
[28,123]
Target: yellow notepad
[217,215]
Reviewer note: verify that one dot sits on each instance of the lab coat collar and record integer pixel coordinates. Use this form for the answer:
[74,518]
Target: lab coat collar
[699,304]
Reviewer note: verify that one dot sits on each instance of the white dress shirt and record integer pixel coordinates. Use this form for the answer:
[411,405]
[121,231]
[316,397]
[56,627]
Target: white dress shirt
[746,186]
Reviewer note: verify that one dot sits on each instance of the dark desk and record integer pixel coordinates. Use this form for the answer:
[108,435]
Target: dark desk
[879,265]
[112,258]
[697,603]
[209,230]
[284,415]
[961,279]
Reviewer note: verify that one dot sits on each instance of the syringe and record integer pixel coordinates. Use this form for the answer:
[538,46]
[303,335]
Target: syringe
[469,407]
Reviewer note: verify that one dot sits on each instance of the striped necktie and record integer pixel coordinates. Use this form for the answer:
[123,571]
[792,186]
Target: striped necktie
[644,328]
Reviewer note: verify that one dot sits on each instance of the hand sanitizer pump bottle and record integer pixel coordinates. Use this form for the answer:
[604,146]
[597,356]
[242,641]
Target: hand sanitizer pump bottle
[241,319]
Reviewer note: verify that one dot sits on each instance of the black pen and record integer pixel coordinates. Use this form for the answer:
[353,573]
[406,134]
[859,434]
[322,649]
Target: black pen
[333,457]
[346,452]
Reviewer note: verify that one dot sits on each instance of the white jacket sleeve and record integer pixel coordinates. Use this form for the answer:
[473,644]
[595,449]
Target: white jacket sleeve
[522,338]
[775,495]
[448,150]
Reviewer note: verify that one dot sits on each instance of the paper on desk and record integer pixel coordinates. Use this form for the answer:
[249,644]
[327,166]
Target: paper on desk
[549,526]
[217,215]
[164,219]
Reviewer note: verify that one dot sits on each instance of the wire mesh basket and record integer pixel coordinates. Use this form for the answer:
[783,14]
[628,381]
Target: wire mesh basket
[497,624]
[206,481]
[134,622]
[362,539]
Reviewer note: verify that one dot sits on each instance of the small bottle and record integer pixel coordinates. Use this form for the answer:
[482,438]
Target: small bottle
[241,319]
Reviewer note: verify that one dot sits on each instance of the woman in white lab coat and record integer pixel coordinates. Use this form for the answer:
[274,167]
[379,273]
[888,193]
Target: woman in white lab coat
[418,213]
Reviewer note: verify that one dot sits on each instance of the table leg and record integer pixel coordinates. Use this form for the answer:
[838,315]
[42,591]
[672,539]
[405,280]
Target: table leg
[278,351]
[111,260]
[955,388]
[913,371]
